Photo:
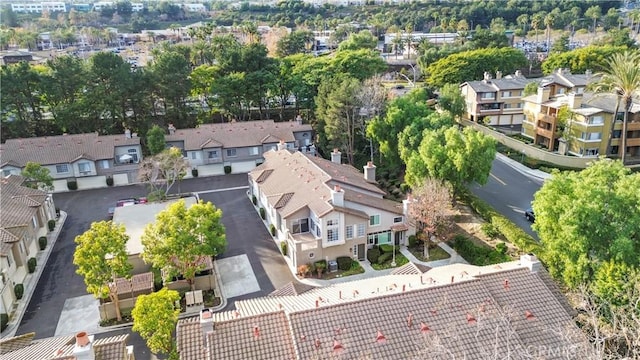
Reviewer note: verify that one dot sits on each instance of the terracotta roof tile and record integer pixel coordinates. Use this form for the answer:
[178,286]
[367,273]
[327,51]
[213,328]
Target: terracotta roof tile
[292,288]
[18,204]
[61,347]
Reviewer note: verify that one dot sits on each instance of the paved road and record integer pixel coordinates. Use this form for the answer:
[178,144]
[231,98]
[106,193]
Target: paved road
[510,193]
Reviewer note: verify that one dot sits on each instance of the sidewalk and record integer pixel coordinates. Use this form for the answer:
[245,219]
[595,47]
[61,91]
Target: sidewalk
[31,280]
[521,168]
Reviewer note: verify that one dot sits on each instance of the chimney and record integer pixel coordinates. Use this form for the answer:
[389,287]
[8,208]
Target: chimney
[337,196]
[486,77]
[370,172]
[299,119]
[336,156]
[498,74]
[206,323]
[405,205]
[282,145]
[588,73]
[518,73]
[543,94]
[83,349]
[575,100]
[530,261]
[172,129]
[127,133]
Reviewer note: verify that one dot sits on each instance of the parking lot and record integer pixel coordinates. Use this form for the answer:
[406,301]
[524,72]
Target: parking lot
[245,231]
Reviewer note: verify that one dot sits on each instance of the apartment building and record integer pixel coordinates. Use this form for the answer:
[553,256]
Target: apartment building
[495,102]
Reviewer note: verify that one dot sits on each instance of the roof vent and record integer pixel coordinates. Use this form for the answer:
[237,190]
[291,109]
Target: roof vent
[409,320]
[380,338]
[256,331]
[506,284]
[337,347]
[424,328]
[471,319]
[317,343]
[529,315]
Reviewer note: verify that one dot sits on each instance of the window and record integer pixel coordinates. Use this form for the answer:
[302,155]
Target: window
[614,150]
[596,120]
[349,231]
[300,226]
[592,152]
[213,154]
[487,95]
[355,250]
[6,173]
[254,150]
[617,134]
[104,164]
[506,94]
[491,106]
[194,155]
[34,221]
[62,168]
[231,152]
[332,235]
[9,259]
[591,136]
[397,219]
[361,230]
[134,155]
[84,167]
[374,220]
[383,237]
[513,106]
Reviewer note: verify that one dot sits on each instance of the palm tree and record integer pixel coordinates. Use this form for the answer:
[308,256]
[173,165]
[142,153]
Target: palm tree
[548,22]
[594,13]
[535,24]
[622,78]
[523,20]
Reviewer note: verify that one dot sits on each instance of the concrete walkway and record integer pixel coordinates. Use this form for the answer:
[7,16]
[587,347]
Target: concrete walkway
[31,280]
[523,169]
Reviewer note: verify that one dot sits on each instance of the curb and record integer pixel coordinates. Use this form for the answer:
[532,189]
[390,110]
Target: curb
[52,238]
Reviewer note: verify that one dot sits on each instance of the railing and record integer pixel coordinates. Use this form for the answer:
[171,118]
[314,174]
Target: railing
[544,132]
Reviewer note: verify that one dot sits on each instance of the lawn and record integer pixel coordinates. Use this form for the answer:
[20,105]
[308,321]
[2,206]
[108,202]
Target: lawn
[435,252]
[385,258]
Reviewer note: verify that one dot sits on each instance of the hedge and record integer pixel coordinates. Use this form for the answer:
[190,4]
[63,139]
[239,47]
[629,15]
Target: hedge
[31,265]
[227,169]
[51,224]
[42,241]
[344,262]
[19,291]
[386,248]
[373,255]
[72,185]
[413,240]
[272,229]
[109,181]
[263,213]
[254,200]
[477,255]
[194,172]
[384,257]
[283,247]
[4,321]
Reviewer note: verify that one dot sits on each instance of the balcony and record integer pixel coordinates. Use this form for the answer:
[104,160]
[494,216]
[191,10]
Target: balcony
[633,141]
[547,118]
[544,132]
[633,125]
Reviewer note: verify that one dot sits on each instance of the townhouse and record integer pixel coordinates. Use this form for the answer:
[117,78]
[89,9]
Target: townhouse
[563,117]
[87,159]
[238,145]
[495,102]
[325,209]
[24,217]
[455,311]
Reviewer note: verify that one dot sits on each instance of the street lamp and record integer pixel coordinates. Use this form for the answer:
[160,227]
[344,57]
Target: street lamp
[523,154]
[393,261]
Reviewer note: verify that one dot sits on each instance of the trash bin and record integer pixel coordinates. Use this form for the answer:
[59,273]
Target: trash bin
[333,266]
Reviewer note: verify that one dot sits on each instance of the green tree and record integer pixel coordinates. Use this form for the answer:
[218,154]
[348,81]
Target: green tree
[454,156]
[594,12]
[64,87]
[452,101]
[483,38]
[361,40]
[163,170]
[37,177]
[298,41]
[560,45]
[580,60]
[401,112]
[531,88]
[101,257]
[586,218]
[621,77]
[361,64]
[155,317]
[181,240]
[460,67]
[171,71]
[155,140]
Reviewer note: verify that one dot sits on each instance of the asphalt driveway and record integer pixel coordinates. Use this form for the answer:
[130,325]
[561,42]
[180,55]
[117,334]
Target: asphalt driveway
[246,234]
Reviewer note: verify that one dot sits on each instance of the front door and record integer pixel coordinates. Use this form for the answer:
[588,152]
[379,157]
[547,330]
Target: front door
[361,251]
[398,237]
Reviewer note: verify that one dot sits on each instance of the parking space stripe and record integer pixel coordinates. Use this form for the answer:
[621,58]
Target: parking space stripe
[221,190]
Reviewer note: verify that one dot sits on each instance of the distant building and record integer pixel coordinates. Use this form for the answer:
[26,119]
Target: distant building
[53,6]
[12,57]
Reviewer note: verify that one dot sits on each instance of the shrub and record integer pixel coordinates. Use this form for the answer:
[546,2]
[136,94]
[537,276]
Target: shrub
[344,262]
[490,230]
[303,270]
[31,265]
[72,185]
[42,241]
[404,187]
[272,229]
[384,258]
[283,248]
[254,200]
[311,267]
[51,224]
[501,248]
[109,181]
[158,283]
[477,255]
[320,266]
[19,291]
[413,241]
[227,169]
[263,213]
[386,248]
[4,321]
[194,172]
[373,255]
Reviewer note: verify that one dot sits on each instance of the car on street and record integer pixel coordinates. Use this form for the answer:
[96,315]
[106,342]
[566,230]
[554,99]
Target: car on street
[529,215]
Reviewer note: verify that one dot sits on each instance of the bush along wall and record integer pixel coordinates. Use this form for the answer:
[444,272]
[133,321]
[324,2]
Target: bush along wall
[263,213]
[194,172]
[42,242]
[51,224]
[109,181]
[72,185]
[19,291]
[4,321]
[227,169]
[31,265]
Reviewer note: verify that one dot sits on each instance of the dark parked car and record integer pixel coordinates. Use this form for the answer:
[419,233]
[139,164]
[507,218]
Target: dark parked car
[529,215]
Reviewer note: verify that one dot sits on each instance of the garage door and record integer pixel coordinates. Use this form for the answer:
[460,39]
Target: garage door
[210,170]
[242,166]
[92,182]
